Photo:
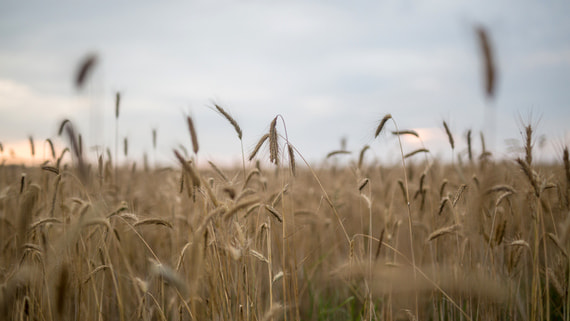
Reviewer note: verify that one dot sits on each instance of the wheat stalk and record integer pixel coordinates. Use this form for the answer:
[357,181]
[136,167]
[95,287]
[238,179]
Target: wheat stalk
[232,121]
[273,143]
[337,152]
[417,151]
[406,132]
[258,146]
[449,135]
[291,159]
[381,125]
[488,61]
[361,155]
[193,135]
[85,69]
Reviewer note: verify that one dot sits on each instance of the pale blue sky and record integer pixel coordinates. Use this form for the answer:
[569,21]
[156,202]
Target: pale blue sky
[331,68]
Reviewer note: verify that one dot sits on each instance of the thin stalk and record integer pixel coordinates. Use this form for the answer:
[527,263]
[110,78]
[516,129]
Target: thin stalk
[269,264]
[325,194]
[409,214]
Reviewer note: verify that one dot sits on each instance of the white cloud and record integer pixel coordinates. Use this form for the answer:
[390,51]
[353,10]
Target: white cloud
[348,63]
[26,111]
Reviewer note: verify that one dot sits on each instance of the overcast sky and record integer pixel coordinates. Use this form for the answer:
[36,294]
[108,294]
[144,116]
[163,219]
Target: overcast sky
[332,69]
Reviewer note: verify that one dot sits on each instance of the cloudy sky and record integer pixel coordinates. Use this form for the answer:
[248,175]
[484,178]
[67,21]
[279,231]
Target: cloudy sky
[332,69]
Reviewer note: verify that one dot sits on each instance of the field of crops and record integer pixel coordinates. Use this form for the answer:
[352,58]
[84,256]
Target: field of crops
[280,239]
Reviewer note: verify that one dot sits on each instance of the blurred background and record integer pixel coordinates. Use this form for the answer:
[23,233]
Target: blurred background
[332,69]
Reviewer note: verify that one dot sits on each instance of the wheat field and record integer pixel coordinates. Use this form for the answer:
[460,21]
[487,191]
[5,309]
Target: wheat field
[281,239]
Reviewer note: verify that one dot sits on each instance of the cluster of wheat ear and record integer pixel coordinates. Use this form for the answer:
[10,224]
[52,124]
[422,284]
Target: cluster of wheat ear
[283,240]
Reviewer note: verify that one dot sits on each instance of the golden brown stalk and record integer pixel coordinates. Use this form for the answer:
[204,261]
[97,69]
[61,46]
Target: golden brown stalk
[522,243]
[258,255]
[189,169]
[530,175]
[245,192]
[231,120]
[558,244]
[279,195]
[337,152]
[406,132]
[51,169]
[54,197]
[22,182]
[528,144]
[253,172]
[291,159]
[77,150]
[501,188]
[417,151]
[211,194]
[32,147]
[193,135]
[181,256]
[421,191]
[501,198]
[488,61]
[85,69]
[368,204]
[381,125]
[566,165]
[444,201]
[49,220]
[363,184]
[422,180]
[483,147]
[442,187]
[469,150]
[449,136]
[123,206]
[62,126]
[567,171]
[277,277]
[181,182]
[258,146]
[219,171]
[252,208]
[274,212]
[459,193]
[403,188]
[97,269]
[117,104]
[153,221]
[52,149]
[27,206]
[273,143]
[476,180]
[361,157]
[379,244]
[30,247]
[500,232]
[443,231]
[239,206]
